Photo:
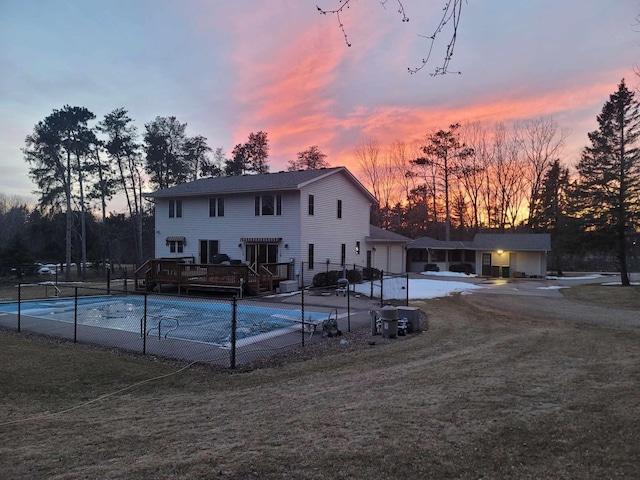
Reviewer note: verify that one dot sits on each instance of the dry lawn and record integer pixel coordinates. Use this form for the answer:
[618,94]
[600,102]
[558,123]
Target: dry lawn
[482,394]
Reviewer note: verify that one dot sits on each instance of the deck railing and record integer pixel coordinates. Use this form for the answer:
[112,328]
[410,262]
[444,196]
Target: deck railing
[194,275]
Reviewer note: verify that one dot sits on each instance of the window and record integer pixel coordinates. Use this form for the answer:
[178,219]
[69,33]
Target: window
[216,207]
[176,246]
[268,205]
[339,208]
[175,208]
[310,204]
[311,252]
[357,248]
[343,253]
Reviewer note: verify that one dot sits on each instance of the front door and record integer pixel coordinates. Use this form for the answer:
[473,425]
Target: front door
[486,264]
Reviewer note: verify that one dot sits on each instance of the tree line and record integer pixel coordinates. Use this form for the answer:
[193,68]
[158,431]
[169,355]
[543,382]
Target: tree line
[79,164]
[450,184]
[476,177]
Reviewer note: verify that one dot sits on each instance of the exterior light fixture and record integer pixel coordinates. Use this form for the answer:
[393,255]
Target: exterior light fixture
[500,252]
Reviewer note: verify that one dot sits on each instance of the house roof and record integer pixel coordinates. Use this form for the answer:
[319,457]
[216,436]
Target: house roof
[256,183]
[513,241]
[432,243]
[377,234]
[490,241]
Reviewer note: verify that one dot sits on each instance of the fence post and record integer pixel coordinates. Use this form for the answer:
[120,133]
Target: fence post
[381,288]
[302,310]
[125,279]
[143,322]
[109,281]
[348,310]
[234,324]
[75,315]
[407,289]
[19,302]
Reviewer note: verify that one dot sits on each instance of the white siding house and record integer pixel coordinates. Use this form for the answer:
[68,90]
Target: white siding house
[303,218]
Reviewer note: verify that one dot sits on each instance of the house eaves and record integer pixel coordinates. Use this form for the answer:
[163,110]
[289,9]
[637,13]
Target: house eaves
[380,235]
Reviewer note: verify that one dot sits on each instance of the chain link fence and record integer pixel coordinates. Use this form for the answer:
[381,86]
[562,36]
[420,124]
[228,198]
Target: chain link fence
[372,282]
[225,331]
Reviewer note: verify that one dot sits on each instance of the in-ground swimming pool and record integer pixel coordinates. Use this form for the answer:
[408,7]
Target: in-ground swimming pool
[203,322]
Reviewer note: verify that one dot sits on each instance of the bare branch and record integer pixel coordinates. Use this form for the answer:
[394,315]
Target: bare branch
[450,20]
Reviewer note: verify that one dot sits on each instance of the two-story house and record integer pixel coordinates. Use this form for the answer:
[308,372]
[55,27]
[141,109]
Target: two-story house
[306,218]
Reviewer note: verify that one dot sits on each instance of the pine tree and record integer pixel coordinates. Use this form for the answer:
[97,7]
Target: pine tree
[608,187]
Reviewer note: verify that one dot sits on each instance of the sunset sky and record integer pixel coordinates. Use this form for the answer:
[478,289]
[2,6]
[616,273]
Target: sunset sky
[228,68]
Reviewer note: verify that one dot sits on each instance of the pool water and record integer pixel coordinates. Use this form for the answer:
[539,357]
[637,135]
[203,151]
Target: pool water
[184,320]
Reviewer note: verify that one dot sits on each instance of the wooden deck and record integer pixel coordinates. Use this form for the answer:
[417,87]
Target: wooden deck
[188,276]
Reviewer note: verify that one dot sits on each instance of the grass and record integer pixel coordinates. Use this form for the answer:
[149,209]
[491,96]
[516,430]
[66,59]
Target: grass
[480,395]
[612,296]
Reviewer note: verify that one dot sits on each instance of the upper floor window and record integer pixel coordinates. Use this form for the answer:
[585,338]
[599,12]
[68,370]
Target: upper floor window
[216,207]
[311,206]
[268,205]
[357,248]
[175,208]
[339,208]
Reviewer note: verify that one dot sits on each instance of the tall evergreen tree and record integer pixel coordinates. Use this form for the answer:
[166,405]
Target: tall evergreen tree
[310,159]
[124,152]
[51,149]
[608,187]
[164,141]
[549,211]
[249,157]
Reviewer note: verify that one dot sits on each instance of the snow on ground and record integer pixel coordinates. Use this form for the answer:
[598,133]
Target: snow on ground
[448,274]
[553,287]
[584,277]
[396,288]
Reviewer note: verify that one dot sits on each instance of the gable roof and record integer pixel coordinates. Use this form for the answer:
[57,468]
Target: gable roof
[377,234]
[490,241]
[264,182]
[513,241]
[432,243]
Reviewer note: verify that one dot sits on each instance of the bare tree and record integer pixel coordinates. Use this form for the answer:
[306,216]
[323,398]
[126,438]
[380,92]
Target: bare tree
[471,168]
[541,142]
[505,176]
[380,175]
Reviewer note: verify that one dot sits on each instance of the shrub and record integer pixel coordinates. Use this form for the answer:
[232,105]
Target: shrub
[431,267]
[370,273]
[330,278]
[461,268]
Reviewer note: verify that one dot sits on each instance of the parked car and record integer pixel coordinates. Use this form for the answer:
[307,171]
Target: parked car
[45,270]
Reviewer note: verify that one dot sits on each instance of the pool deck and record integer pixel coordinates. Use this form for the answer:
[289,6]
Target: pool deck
[247,351]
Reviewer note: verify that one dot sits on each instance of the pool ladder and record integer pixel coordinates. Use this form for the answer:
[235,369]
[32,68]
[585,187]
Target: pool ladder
[159,325]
